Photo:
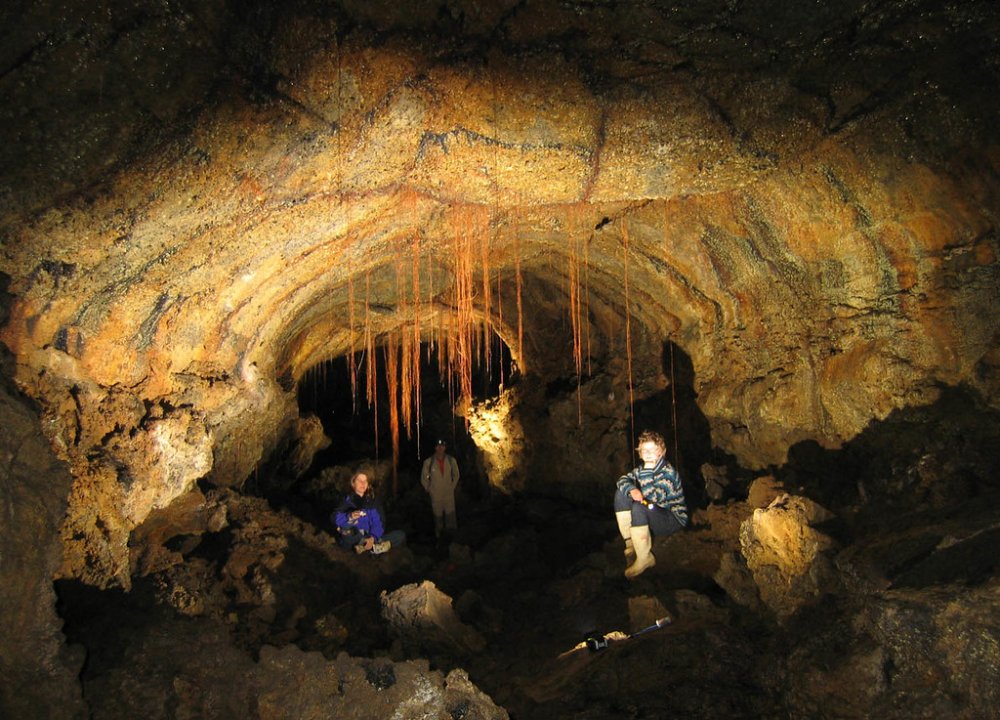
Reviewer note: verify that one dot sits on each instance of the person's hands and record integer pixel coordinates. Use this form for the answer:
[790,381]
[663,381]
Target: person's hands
[635,494]
[357,515]
[369,542]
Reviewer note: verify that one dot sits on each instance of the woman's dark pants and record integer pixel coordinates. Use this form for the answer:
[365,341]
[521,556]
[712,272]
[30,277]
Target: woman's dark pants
[661,521]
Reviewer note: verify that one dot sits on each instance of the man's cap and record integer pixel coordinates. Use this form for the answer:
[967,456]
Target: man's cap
[440,442]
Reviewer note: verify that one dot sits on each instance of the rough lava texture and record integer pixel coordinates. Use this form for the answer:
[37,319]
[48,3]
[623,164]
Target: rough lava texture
[39,670]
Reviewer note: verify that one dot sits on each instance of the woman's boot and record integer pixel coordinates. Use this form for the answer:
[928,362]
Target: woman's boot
[642,541]
[624,518]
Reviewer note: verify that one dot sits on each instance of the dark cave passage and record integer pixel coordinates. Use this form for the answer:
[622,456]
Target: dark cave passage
[361,437]
[361,430]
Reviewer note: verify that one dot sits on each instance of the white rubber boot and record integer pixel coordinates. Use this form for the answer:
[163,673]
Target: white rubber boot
[624,518]
[642,541]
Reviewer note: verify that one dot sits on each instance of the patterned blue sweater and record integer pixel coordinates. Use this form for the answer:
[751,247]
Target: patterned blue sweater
[660,485]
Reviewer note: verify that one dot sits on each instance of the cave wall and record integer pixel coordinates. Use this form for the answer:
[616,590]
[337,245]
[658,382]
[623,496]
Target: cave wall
[40,672]
[200,204]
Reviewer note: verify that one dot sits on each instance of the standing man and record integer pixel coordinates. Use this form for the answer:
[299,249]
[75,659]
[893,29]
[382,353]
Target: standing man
[440,478]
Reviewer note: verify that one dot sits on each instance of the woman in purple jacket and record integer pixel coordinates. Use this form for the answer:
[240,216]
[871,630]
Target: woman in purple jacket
[359,521]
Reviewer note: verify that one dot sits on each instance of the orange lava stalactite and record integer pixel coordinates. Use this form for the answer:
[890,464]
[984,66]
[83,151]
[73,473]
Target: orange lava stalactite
[576,303]
[575,309]
[372,373]
[520,307]
[628,332]
[463,338]
[432,344]
[412,358]
[500,321]
[407,397]
[586,294]
[411,345]
[391,349]
[487,303]
[352,362]
[400,372]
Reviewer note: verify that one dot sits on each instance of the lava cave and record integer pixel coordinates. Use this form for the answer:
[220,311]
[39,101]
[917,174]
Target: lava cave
[248,249]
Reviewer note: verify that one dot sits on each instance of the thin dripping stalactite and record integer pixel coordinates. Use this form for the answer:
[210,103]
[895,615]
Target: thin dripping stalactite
[412,358]
[628,332]
[443,346]
[519,283]
[673,403]
[462,340]
[500,318]
[352,365]
[586,297]
[401,368]
[339,170]
[493,227]
[391,351]
[430,303]
[371,387]
[408,381]
[574,316]
[459,334]
[487,298]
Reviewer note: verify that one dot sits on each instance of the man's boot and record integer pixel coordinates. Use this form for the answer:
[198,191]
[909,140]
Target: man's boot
[642,541]
[624,518]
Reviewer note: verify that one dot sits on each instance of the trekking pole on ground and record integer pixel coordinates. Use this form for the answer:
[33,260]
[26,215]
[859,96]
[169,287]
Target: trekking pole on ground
[596,642]
[663,621]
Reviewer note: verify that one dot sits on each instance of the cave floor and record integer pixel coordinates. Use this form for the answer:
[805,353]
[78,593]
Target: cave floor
[534,576]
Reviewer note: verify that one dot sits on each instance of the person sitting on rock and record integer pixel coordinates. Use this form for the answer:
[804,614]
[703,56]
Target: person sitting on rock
[649,501]
[359,521]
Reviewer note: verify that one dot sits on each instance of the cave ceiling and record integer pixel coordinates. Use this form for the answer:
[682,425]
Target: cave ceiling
[201,201]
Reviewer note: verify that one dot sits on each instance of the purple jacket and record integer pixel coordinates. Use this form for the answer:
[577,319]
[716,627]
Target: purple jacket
[369,524]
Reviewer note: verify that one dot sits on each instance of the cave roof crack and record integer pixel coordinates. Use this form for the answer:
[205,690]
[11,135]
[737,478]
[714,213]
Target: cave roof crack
[430,138]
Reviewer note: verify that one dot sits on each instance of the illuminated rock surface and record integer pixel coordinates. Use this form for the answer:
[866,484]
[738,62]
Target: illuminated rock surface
[769,232]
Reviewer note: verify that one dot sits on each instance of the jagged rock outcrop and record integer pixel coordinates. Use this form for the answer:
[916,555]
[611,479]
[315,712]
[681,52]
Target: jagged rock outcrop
[310,439]
[789,558]
[195,671]
[422,616]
